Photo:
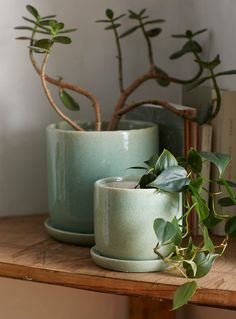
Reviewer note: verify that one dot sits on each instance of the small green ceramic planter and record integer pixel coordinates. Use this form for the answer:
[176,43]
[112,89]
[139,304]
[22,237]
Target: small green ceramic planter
[124,218]
[77,159]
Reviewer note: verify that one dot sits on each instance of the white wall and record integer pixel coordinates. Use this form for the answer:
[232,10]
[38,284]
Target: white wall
[89,61]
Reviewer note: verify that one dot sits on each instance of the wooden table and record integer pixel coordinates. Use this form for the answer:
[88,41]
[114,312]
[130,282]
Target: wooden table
[28,253]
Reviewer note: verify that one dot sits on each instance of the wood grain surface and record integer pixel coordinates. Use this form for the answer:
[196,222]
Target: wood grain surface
[28,253]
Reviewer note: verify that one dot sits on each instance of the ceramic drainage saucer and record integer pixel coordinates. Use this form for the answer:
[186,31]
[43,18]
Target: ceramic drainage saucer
[126,265]
[69,237]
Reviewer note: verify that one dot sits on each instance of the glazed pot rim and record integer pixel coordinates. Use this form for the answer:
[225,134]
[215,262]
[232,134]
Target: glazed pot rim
[141,125]
[103,183]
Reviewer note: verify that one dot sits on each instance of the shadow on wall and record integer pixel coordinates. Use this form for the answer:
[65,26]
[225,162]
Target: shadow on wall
[23,172]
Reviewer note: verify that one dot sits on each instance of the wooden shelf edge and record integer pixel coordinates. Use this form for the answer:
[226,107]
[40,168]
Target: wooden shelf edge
[207,297]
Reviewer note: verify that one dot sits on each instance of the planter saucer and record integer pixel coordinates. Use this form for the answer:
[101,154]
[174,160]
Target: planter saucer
[67,236]
[126,265]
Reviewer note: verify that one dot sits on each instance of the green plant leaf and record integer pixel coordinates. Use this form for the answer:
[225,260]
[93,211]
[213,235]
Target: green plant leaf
[153,32]
[190,263]
[33,11]
[173,179]
[62,40]
[113,26]
[133,15]
[199,32]
[164,230]
[229,72]
[183,294]
[200,205]
[119,17]
[51,16]
[68,101]
[223,181]
[154,21]
[208,244]
[166,159]
[137,167]
[194,160]
[226,201]
[129,31]
[220,160]
[23,28]
[109,14]
[151,161]
[29,20]
[211,220]
[197,83]
[146,179]
[230,226]
[204,263]
[23,38]
[67,31]
[197,184]
[163,80]
[43,44]
[177,238]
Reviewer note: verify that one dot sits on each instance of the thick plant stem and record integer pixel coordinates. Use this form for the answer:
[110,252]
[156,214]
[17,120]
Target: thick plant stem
[50,99]
[65,85]
[120,64]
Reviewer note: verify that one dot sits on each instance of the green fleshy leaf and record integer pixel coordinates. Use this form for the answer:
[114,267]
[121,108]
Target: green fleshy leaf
[43,44]
[230,226]
[183,294]
[197,83]
[23,38]
[153,32]
[173,179]
[109,14]
[62,40]
[68,101]
[166,159]
[164,230]
[154,21]
[28,20]
[162,81]
[129,31]
[220,160]
[229,72]
[66,31]
[199,32]
[33,11]
[119,17]
[113,26]
[23,28]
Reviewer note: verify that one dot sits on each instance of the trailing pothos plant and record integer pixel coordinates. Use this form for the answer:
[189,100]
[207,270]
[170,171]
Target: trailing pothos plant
[45,32]
[191,258]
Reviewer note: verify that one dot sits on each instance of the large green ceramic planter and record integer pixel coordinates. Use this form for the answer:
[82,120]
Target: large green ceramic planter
[77,159]
[124,217]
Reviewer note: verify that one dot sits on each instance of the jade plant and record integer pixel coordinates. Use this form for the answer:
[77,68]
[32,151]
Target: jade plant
[190,257]
[46,32]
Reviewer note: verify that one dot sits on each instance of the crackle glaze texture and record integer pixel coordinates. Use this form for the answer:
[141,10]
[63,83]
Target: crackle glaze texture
[77,159]
[124,218]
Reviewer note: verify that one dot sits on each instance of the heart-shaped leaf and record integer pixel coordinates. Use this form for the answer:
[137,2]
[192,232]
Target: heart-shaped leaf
[220,160]
[173,179]
[164,230]
[166,159]
[183,294]
[230,226]
[194,160]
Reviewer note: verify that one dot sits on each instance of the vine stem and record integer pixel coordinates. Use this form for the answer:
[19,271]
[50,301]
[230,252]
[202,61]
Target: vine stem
[50,99]
[66,85]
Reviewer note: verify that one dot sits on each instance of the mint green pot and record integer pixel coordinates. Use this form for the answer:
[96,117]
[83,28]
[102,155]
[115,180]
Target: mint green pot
[124,219]
[77,159]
